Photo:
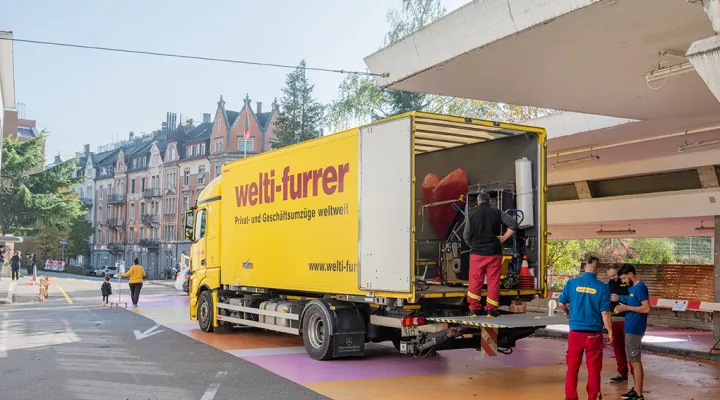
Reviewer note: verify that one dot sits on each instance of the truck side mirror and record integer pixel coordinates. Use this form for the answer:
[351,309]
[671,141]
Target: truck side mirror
[189,219]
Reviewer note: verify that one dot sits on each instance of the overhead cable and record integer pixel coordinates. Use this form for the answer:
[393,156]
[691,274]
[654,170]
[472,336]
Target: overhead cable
[185,56]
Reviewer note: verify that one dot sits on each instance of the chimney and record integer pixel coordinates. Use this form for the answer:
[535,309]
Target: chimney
[86,149]
[131,136]
[206,118]
[259,107]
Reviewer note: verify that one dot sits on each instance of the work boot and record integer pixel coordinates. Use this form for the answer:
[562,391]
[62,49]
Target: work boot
[476,313]
[619,378]
[631,394]
[493,314]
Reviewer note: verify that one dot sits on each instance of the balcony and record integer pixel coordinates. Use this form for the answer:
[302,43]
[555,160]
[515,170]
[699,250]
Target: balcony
[115,223]
[104,173]
[116,199]
[150,219]
[87,202]
[116,247]
[152,192]
[150,243]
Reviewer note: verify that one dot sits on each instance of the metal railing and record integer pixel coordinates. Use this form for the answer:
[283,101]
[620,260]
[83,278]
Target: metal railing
[152,192]
[116,199]
[150,219]
[115,222]
[150,243]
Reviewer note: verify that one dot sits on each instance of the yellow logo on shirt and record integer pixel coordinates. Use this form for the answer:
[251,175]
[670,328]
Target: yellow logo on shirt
[583,289]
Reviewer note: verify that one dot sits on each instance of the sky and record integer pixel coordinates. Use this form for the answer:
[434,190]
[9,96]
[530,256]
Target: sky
[93,97]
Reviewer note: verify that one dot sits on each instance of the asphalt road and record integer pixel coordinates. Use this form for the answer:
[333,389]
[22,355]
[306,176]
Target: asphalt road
[57,350]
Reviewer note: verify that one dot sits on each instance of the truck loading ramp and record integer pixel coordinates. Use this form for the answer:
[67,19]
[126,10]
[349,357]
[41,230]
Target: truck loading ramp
[505,321]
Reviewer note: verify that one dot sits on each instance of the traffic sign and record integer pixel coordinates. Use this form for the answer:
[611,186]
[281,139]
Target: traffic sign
[63,243]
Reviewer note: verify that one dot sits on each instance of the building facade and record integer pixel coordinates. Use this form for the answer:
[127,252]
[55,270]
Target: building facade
[137,190]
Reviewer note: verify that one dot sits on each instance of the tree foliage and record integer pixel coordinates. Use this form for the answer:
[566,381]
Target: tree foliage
[361,100]
[301,116]
[79,238]
[44,197]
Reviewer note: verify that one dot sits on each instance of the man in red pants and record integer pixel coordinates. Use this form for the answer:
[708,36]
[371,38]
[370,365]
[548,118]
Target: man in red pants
[481,233]
[618,287]
[589,301]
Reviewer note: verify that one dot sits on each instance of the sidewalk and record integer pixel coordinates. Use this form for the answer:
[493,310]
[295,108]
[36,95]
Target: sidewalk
[166,283]
[678,342]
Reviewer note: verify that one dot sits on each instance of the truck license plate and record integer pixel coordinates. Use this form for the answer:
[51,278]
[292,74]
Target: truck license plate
[409,331]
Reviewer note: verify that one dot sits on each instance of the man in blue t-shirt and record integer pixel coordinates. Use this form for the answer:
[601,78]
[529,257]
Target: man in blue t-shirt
[589,302]
[636,306]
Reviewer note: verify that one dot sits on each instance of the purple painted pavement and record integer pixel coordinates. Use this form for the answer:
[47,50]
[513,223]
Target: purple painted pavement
[385,362]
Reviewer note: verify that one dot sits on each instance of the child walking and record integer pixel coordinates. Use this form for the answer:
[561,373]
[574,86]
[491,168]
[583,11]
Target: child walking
[106,290]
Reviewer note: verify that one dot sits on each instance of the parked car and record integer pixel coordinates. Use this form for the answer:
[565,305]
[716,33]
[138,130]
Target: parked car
[110,270]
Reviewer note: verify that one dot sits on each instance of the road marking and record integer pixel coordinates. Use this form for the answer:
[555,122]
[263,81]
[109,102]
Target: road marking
[64,294]
[3,336]
[142,335]
[214,387]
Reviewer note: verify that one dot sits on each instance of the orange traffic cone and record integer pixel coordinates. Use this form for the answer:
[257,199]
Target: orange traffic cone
[527,281]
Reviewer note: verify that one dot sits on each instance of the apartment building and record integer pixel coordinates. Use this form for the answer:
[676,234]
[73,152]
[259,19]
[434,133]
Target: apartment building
[137,190]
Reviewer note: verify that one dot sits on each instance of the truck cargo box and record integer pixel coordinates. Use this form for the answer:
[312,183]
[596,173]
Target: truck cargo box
[347,214]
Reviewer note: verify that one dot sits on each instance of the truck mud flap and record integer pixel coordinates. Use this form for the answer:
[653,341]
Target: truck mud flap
[349,328]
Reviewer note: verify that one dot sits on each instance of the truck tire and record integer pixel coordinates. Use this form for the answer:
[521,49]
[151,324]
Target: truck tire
[205,311]
[316,332]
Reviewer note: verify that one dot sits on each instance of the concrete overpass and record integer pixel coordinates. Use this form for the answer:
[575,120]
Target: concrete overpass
[590,58]
[637,147]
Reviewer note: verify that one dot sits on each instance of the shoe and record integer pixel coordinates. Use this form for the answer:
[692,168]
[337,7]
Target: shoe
[637,397]
[493,314]
[619,378]
[135,306]
[631,394]
[476,313]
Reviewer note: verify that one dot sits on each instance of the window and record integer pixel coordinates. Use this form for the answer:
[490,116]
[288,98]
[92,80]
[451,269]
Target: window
[185,203]
[135,163]
[219,120]
[200,224]
[101,192]
[144,161]
[201,174]
[188,152]
[202,149]
[172,153]
[250,144]
[142,208]
[132,235]
[132,185]
[100,214]
[186,177]
[132,211]
[219,145]
[218,170]
[142,184]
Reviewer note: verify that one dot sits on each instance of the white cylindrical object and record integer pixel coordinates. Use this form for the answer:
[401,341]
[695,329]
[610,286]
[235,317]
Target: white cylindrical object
[524,191]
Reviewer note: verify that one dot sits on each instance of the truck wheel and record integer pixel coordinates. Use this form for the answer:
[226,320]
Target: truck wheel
[205,312]
[316,332]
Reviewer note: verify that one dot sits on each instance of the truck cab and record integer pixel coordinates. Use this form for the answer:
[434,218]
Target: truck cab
[202,224]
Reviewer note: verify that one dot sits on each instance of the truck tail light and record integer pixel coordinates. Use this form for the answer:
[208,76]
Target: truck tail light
[411,321]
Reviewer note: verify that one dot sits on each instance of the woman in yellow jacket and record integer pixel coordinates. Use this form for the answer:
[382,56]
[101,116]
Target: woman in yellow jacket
[136,274]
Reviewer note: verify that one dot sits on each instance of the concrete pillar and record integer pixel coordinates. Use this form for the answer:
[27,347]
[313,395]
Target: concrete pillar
[716,261]
[704,55]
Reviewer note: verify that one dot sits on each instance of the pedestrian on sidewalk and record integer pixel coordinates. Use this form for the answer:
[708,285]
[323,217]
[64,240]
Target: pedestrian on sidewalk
[15,266]
[2,259]
[637,307]
[106,290]
[620,288]
[589,305]
[136,274]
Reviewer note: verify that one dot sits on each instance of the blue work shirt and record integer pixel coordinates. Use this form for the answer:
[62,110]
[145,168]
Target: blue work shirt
[635,322]
[588,298]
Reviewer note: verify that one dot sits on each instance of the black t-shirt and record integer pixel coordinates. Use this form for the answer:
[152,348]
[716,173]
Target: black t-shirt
[617,287]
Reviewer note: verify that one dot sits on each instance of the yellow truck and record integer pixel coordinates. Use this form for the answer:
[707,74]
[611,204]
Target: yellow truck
[356,237]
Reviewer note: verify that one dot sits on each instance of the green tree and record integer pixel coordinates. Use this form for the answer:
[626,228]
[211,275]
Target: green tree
[79,238]
[29,199]
[361,100]
[301,116]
